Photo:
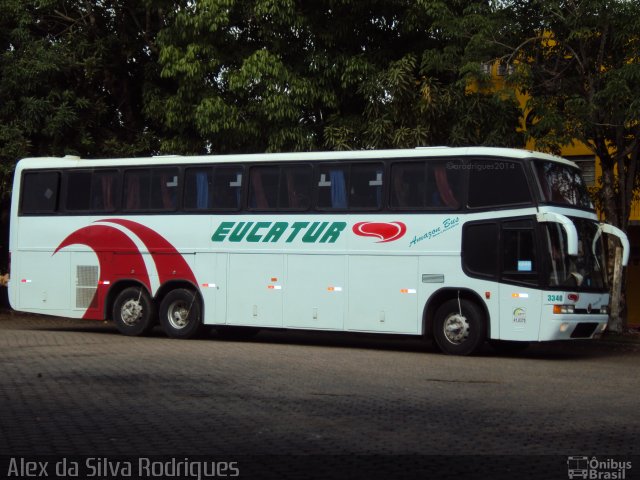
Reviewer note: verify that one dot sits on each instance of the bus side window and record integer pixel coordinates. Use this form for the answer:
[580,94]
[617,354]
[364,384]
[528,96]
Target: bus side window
[332,187]
[365,189]
[263,188]
[227,188]
[212,188]
[135,189]
[164,189]
[444,188]
[40,192]
[198,183]
[408,185]
[519,255]
[91,191]
[295,187]
[480,249]
[494,183]
[77,191]
[426,185]
[104,188]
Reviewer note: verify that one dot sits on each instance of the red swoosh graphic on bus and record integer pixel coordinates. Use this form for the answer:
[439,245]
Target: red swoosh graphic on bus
[119,257]
[169,263]
[116,253]
[385,231]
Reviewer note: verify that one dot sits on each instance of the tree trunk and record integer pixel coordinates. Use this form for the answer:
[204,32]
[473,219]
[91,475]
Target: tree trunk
[609,204]
[616,319]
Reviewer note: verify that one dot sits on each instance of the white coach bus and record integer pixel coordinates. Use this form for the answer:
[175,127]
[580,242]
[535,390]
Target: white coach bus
[463,245]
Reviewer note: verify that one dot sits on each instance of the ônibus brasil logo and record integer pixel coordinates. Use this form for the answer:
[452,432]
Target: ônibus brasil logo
[112,240]
[307,232]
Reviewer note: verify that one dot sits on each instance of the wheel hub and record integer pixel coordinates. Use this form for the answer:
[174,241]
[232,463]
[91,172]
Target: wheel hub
[456,328]
[131,312]
[178,315]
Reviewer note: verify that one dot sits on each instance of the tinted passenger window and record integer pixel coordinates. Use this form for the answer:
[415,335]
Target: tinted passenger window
[497,182]
[151,189]
[519,255]
[227,188]
[40,192]
[480,248]
[332,182]
[426,185]
[164,189]
[280,188]
[355,186]
[217,188]
[295,187]
[136,189]
[366,186]
[91,190]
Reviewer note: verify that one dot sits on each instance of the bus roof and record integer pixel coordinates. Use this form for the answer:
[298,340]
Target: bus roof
[419,152]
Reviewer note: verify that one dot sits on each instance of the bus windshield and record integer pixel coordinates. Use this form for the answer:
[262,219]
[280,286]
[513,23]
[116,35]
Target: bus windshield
[562,184]
[584,270]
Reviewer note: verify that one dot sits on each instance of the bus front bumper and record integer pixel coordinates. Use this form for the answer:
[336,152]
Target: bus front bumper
[572,326]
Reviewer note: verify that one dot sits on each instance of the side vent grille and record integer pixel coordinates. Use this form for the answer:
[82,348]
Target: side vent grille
[86,285]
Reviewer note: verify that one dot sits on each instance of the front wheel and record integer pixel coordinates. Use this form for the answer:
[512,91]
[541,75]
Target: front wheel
[134,312]
[459,327]
[181,314]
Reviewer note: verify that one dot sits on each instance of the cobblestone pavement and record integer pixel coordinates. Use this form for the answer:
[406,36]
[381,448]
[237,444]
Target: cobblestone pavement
[73,387]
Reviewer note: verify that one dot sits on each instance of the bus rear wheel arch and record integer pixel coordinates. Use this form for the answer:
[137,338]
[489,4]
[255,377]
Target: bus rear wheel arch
[181,313]
[459,327]
[133,311]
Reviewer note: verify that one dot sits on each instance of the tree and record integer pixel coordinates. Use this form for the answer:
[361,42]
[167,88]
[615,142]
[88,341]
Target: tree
[73,77]
[282,75]
[579,62]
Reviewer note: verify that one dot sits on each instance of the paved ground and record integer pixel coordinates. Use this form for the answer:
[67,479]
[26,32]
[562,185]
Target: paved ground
[72,387]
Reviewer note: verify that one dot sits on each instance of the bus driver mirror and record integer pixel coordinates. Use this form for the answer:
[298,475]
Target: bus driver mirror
[567,225]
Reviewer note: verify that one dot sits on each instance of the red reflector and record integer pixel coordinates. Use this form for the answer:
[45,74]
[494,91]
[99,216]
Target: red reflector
[573,297]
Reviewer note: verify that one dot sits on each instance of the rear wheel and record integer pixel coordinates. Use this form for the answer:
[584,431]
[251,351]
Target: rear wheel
[181,314]
[459,327]
[134,312]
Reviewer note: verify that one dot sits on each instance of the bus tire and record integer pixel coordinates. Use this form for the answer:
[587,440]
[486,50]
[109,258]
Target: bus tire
[134,312]
[181,314]
[459,327]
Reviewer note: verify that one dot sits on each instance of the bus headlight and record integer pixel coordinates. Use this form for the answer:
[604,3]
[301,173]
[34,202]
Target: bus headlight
[563,309]
[604,309]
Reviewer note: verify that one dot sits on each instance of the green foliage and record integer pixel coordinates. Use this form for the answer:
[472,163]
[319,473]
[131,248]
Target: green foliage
[274,75]
[580,64]
[72,79]
[117,78]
